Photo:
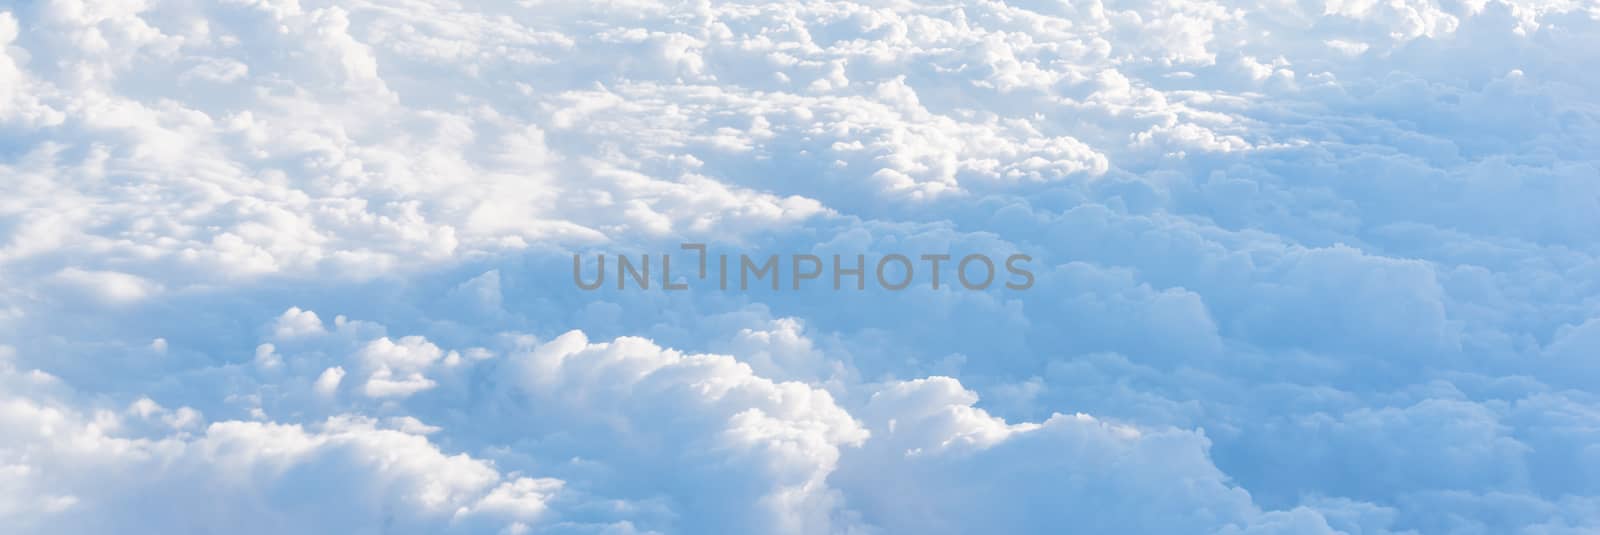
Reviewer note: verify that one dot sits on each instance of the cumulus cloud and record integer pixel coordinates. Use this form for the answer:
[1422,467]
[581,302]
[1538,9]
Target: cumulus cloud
[86,472]
[1310,268]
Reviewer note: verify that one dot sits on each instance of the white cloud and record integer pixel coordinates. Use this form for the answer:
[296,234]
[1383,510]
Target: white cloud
[328,382]
[296,323]
[75,474]
[107,287]
[383,383]
[1278,246]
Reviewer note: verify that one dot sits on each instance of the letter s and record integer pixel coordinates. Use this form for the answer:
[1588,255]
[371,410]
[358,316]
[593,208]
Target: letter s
[1011,266]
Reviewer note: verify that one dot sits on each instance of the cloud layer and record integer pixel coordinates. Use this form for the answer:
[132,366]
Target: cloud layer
[1318,267]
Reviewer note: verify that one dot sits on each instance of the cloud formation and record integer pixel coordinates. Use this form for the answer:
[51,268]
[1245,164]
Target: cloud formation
[1326,267]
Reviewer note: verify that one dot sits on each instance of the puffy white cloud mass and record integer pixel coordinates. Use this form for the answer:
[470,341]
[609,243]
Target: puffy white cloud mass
[274,266]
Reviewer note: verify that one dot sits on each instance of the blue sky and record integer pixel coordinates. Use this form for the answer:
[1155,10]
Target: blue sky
[1315,267]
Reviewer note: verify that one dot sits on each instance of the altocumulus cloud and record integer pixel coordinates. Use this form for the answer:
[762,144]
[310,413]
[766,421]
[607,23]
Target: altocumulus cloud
[1327,267]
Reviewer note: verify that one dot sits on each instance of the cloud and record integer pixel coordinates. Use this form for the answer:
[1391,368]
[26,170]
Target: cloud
[81,472]
[1299,268]
[938,464]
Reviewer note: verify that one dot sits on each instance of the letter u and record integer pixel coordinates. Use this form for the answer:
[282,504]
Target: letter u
[577,268]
